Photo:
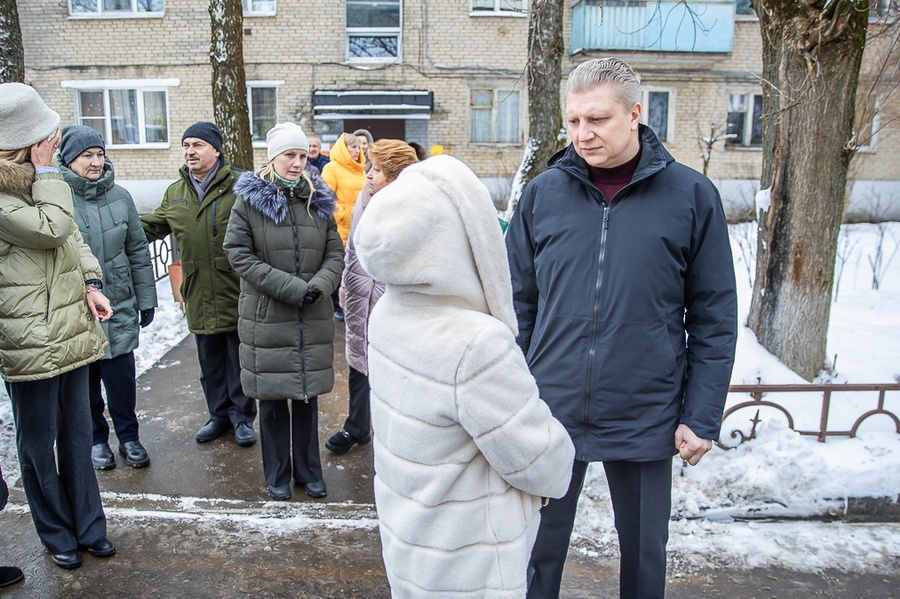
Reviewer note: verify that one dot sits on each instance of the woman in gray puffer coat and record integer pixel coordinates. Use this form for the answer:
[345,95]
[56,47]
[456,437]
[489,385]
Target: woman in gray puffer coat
[283,241]
[110,225]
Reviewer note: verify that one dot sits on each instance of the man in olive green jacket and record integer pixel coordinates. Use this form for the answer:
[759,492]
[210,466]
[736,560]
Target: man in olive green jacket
[196,209]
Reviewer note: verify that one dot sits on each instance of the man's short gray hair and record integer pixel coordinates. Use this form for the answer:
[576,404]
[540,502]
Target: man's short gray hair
[607,71]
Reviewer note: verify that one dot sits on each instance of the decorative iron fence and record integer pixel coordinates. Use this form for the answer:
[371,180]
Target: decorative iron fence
[163,252]
[762,400]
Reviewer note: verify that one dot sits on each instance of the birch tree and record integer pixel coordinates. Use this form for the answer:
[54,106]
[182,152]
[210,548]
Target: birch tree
[229,85]
[12,53]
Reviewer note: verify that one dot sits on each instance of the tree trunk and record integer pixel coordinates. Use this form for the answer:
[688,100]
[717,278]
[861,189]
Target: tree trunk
[12,53]
[229,87]
[545,51]
[812,53]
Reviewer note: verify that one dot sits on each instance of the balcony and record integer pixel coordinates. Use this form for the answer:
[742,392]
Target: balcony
[652,26]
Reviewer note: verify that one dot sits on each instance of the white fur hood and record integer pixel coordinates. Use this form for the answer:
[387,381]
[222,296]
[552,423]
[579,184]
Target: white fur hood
[435,209]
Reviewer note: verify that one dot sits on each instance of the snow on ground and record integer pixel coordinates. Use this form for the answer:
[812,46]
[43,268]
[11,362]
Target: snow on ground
[780,473]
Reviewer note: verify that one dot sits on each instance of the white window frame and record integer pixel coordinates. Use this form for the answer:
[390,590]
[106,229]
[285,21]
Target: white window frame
[875,125]
[670,110]
[249,12]
[140,86]
[117,14]
[261,143]
[502,8]
[497,94]
[743,144]
[375,31]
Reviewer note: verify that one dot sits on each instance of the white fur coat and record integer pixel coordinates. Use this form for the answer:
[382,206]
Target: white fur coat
[464,446]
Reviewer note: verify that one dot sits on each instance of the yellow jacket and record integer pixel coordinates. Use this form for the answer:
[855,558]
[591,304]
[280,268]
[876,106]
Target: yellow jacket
[346,178]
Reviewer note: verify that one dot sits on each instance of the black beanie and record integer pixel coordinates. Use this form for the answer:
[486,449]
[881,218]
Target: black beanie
[208,132]
[76,139]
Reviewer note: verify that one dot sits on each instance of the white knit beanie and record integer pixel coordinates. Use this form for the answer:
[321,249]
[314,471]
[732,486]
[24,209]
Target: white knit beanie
[24,118]
[283,137]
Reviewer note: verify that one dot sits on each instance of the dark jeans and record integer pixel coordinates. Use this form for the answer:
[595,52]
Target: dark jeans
[118,377]
[220,377]
[359,421]
[641,495]
[277,424]
[60,485]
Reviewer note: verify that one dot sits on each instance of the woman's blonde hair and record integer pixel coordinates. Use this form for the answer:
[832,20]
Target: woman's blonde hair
[17,156]
[267,173]
[392,156]
[350,139]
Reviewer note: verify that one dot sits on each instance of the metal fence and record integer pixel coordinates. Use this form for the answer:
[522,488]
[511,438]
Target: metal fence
[870,400]
[163,252]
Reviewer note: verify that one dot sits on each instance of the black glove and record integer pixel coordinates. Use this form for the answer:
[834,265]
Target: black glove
[312,295]
[4,491]
[147,316]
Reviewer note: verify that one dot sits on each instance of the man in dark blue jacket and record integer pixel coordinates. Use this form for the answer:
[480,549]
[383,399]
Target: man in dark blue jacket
[624,291]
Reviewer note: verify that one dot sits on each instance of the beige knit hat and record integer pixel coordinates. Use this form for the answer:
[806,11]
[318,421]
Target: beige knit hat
[24,118]
[283,137]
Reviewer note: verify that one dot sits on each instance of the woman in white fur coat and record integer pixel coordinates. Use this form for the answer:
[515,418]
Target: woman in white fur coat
[464,446]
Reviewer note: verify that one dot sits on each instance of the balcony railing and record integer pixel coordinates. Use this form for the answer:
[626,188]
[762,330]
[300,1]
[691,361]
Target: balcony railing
[653,26]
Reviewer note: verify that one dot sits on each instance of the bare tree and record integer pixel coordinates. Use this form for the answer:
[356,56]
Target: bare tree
[12,53]
[812,52]
[229,95]
[708,143]
[545,51]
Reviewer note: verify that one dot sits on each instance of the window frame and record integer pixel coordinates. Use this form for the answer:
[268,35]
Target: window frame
[745,143]
[397,32]
[670,110]
[140,86]
[100,13]
[251,85]
[498,10]
[249,12]
[497,93]
[874,126]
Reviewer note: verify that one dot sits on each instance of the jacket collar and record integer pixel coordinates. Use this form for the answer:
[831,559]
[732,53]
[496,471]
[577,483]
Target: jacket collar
[16,178]
[654,158]
[272,201]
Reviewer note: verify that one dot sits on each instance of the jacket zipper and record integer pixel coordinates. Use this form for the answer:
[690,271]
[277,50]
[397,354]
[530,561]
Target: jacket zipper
[601,258]
[305,397]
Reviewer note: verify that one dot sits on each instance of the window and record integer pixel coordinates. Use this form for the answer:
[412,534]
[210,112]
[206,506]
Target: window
[126,115]
[866,123]
[257,8]
[744,120]
[373,30]
[262,100]
[499,6]
[115,8]
[494,116]
[656,113]
[886,10]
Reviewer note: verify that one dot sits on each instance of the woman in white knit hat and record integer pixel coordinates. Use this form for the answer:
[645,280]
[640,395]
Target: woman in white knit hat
[49,330]
[464,446]
[283,241]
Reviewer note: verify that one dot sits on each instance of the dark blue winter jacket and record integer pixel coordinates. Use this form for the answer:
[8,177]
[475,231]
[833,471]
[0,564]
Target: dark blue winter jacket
[627,307]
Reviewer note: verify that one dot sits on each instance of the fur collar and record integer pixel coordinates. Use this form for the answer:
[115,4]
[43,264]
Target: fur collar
[272,201]
[16,178]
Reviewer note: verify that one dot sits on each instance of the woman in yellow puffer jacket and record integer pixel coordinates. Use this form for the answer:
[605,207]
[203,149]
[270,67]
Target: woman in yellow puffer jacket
[345,175]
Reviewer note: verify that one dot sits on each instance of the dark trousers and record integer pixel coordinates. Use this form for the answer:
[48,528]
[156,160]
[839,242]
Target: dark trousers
[359,422]
[118,378]
[220,377]
[60,484]
[276,427]
[641,495]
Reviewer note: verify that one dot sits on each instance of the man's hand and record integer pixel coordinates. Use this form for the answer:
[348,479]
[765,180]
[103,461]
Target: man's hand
[99,305]
[690,446]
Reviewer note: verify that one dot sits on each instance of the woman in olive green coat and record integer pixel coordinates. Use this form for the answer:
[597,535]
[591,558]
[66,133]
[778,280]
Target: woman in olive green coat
[283,242]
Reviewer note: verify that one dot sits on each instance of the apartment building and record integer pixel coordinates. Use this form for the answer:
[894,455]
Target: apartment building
[448,74]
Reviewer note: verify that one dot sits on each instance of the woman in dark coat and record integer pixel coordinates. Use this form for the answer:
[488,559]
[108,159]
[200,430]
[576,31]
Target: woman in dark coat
[283,241]
[110,225]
